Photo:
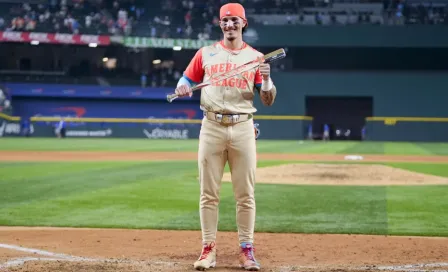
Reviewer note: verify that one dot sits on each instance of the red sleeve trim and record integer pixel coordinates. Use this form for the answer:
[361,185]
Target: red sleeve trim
[195,71]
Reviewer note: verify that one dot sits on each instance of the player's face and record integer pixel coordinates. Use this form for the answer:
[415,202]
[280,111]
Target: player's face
[232,27]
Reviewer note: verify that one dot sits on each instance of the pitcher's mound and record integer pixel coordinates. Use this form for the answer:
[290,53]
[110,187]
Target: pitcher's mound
[341,174]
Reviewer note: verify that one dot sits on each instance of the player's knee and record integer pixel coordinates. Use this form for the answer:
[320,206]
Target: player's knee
[245,201]
[209,199]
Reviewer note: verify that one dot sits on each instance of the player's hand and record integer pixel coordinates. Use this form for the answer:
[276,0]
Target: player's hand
[265,70]
[184,90]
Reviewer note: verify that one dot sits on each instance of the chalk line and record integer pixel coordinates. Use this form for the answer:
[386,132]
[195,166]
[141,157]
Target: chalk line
[417,270]
[409,267]
[62,257]
[42,252]
[21,261]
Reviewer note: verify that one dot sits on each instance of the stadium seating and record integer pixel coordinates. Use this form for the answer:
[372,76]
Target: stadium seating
[198,19]
[75,16]
[190,19]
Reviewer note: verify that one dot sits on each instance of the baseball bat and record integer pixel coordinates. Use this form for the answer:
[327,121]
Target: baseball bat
[268,58]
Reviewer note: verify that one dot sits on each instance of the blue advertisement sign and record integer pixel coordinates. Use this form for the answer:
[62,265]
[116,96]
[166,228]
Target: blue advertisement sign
[89,91]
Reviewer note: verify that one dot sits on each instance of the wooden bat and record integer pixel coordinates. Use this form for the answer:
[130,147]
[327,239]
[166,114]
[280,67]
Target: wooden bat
[268,58]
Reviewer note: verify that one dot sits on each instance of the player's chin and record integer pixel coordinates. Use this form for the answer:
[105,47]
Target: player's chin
[230,36]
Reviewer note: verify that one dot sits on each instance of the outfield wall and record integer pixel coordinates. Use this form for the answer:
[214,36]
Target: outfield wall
[128,112]
[139,128]
[10,126]
[409,106]
[397,96]
[408,129]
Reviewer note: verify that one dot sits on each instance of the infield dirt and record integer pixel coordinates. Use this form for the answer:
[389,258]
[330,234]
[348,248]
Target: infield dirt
[49,156]
[341,174]
[162,250]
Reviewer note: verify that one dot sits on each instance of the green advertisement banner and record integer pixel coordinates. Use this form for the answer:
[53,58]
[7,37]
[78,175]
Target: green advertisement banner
[142,42]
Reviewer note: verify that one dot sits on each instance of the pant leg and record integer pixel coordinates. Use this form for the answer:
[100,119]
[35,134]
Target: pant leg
[242,156]
[212,157]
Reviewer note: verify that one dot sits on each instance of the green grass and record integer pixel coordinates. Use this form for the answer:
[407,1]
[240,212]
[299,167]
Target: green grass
[431,169]
[418,210]
[442,150]
[164,195]
[264,146]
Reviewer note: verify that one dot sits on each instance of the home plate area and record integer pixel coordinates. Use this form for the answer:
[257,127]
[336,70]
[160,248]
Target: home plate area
[71,249]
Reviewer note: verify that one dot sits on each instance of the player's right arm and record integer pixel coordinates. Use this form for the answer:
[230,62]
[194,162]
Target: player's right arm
[193,75]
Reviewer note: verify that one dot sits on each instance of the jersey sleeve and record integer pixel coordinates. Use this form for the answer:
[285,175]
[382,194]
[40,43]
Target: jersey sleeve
[195,72]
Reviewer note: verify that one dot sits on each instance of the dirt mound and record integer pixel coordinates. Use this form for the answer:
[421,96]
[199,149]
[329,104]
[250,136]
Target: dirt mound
[341,174]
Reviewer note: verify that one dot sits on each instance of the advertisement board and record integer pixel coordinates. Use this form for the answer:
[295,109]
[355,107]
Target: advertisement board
[119,130]
[53,38]
[110,108]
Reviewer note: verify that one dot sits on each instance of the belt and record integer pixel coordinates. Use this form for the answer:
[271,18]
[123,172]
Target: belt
[227,119]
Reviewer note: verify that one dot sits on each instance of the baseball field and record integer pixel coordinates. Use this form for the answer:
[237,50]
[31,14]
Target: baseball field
[132,205]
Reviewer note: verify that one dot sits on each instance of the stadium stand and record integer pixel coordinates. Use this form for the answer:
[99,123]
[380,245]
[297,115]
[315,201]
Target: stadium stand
[190,19]
[341,12]
[72,16]
[197,19]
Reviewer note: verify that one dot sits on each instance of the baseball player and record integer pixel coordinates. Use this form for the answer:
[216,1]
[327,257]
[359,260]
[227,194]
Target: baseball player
[227,131]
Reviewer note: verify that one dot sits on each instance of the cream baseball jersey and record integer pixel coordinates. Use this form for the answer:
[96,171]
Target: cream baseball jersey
[233,95]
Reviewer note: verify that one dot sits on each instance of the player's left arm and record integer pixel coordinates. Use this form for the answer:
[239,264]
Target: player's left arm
[264,84]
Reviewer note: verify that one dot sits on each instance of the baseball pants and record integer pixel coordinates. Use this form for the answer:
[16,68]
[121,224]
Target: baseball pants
[217,145]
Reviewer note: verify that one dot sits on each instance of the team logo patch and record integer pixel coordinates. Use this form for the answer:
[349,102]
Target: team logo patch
[228,12]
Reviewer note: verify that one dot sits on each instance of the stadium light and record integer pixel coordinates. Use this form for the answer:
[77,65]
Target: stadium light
[35,42]
[177,48]
[93,45]
[157,61]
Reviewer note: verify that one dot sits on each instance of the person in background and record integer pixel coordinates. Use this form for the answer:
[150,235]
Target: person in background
[310,132]
[2,23]
[26,127]
[60,129]
[2,100]
[326,135]
[7,108]
[143,80]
